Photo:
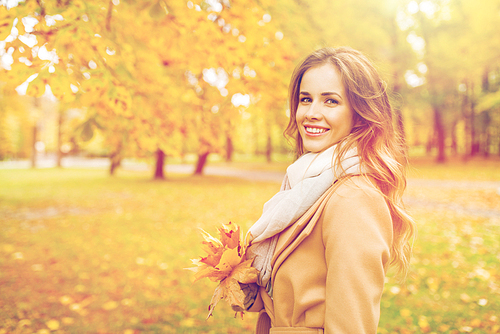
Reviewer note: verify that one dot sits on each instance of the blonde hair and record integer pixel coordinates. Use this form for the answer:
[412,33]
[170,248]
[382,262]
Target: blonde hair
[381,149]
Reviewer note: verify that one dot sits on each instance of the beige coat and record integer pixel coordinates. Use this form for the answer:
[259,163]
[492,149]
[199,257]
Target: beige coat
[329,267]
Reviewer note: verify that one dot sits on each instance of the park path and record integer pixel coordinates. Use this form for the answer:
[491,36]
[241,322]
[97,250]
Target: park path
[273,176]
[413,202]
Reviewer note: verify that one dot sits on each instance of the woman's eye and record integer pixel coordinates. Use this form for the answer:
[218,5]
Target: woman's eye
[332,101]
[305,100]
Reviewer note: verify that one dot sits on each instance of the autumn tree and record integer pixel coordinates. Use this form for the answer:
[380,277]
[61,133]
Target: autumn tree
[454,65]
[130,80]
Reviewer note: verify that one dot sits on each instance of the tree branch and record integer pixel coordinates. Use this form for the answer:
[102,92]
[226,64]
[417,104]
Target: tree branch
[108,16]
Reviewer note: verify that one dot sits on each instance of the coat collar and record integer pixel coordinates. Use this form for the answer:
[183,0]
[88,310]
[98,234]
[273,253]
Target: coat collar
[291,237]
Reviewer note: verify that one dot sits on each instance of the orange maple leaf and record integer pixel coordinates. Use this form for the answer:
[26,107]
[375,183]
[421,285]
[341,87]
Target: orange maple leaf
[226,263]
[231,235]
[229,289]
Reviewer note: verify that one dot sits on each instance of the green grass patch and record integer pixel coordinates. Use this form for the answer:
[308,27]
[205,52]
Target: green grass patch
[82,252]
[89,253]
[453,285]
[476,169]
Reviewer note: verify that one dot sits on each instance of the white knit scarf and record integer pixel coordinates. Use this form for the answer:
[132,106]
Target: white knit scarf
[304,183]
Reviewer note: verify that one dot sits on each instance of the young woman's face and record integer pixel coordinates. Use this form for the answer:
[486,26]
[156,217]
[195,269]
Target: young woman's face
[324,115]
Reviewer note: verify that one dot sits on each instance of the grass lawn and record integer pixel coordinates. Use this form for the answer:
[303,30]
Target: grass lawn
[82,252]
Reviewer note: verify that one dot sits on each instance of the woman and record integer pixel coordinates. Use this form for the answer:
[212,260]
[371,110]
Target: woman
[325,241]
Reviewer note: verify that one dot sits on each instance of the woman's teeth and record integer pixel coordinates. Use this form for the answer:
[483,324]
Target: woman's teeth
[315,130]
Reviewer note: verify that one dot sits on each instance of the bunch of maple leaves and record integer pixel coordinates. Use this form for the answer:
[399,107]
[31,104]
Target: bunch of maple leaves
[226,263]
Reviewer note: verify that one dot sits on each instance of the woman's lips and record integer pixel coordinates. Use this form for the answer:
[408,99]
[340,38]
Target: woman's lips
[314,130]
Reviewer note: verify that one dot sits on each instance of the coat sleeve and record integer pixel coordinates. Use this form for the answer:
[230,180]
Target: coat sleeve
[357,234]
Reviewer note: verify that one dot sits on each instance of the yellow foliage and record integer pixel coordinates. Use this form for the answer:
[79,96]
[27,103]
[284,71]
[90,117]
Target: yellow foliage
[53,324]
[110,305]
[120,101]
[6,18]
[36,88]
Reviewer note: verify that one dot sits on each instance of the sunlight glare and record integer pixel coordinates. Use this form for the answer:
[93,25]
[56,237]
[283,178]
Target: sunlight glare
[413,7]
[239,99]
[413,80]
[215,5]
[428,8]
[417,43]
[28,39]
[44,54]
[422,68]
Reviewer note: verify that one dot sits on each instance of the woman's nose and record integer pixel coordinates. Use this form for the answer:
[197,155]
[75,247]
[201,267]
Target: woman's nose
[313,113]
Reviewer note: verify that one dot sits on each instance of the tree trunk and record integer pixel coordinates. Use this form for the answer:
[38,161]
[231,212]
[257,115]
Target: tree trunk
[160,162]
[472,119]
[115,163]
[440,136]
[35,135]
[229,148]
[59,139]
[430,143]
[400,126]
[116,159]
[453,135]
[486,135]
[499,145]
[467,122]
[33,146]
[200,165]
[486,142]
[269,148]
[398,76]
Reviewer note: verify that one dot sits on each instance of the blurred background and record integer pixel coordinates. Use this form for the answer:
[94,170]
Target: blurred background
[162,89]
[152,80]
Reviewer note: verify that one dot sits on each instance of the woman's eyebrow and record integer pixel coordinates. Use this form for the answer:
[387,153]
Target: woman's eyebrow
[330,93]
[322,94]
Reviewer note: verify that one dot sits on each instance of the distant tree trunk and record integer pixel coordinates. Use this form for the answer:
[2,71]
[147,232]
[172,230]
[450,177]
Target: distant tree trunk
[269,148]
[59,139]
[440,135]
[430,143]
[487,143]
[499,145]
[115,163]
[33,146]
[255,132]
[486,116]
[396,42]
[229,148]
[486,135]
[116,159]
[400,126]
[467,124]
[200,165]
[453,136]
[473,138]
[160,162]
[434,89]
[35,135]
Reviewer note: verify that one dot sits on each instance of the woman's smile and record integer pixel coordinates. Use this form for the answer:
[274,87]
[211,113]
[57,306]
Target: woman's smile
[314,131]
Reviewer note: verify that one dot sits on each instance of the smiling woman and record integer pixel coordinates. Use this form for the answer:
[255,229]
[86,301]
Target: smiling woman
[324,115]
[324,242]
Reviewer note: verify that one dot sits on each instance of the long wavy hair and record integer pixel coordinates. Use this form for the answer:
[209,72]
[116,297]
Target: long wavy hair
[381,149]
